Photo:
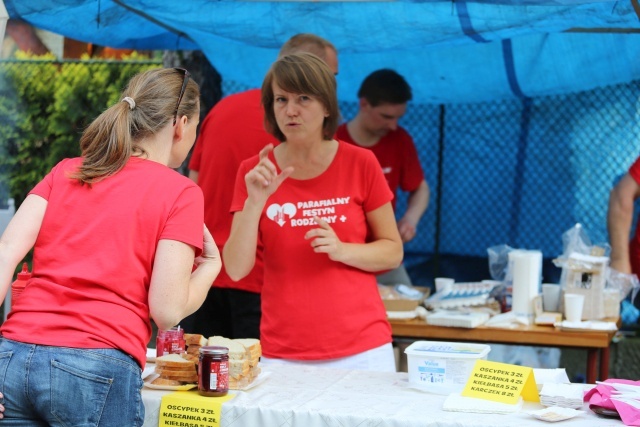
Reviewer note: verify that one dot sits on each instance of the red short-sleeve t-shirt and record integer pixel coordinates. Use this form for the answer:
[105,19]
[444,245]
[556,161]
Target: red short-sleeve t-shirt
[94,255]
[398,157]
[314,308]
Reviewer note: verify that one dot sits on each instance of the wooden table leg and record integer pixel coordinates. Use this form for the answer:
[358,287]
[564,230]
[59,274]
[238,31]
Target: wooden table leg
[604,363]
[592,359]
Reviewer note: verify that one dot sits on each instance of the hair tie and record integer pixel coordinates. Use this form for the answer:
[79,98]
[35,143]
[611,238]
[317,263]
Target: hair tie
[130,101]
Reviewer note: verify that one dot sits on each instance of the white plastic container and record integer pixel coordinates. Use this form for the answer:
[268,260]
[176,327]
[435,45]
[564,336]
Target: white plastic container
[442,367]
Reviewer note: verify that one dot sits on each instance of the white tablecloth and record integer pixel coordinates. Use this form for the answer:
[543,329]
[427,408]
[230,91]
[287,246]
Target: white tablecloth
[315,397]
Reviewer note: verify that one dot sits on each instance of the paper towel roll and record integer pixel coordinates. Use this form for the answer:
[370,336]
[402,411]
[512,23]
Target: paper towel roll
[526,268]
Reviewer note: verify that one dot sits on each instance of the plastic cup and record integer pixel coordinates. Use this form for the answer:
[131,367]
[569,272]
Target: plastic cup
[573,305]
[550,297]
[444,284]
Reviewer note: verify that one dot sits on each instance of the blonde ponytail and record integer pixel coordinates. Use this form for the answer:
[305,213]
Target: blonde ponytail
[147,105]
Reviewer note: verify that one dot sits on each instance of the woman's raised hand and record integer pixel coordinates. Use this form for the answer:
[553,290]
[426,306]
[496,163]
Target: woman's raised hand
[263,180]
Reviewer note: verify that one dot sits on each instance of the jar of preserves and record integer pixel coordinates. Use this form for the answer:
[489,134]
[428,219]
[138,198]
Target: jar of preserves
[213,371]
[170,341]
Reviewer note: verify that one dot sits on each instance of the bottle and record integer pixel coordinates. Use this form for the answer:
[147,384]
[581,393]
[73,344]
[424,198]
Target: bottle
[213,371]
[18,286]
[170,342]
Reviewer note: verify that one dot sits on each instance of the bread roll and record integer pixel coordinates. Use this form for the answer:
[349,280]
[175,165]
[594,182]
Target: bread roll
[173,371]
[194,349]
[239,368]
[185,377]
[174,367]
[164,381]
[236,350]
[173,360]
[193,358]
[195,339]
[244,355]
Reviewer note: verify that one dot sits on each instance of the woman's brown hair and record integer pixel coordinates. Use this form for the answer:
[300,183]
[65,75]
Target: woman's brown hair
[302,73]
[147,105]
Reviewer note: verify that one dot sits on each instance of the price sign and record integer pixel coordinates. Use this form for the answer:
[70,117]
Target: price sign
[501,382]
[190,409]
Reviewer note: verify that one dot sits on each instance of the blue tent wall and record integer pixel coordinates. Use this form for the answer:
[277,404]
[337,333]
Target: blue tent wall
[517,172]
[529,107]
[520,173]
[451,51]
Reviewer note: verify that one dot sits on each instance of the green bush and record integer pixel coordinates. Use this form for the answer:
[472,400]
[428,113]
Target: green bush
[45,105]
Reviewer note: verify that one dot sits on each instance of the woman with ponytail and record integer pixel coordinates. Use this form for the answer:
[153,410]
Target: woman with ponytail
[118,239]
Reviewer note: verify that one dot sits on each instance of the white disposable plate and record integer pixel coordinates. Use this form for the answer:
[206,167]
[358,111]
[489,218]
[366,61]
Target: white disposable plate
[171,387]
[555,413]
[147,383]
[586,326]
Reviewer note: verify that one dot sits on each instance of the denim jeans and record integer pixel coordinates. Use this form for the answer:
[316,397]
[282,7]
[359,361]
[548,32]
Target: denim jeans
[60,386]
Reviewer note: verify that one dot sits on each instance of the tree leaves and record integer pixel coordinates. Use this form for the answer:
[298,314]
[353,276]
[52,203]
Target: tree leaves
[44,106]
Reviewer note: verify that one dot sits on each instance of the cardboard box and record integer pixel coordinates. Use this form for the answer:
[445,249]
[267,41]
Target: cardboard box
[400,304]
[544,317]
[401,297]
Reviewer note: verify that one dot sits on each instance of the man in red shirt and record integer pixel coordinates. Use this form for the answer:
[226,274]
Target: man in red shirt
[231,132]
[383,101]
[625,253]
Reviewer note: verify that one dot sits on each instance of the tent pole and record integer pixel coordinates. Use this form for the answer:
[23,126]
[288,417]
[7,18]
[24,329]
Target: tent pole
[439,186]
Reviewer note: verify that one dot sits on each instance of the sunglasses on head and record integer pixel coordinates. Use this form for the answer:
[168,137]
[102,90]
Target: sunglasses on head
[185,80]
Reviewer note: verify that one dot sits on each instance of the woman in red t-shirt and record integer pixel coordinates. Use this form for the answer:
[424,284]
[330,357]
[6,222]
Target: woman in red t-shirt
[116,234]
[322,210]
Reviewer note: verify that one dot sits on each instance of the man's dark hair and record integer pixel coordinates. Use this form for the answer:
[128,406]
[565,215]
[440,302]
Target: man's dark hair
[385,86]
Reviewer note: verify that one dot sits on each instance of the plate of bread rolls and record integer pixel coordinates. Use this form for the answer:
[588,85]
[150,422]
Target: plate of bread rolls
[173,372]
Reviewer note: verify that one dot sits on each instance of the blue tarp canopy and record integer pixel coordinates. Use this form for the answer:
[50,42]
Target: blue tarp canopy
[449,51]
[505,162]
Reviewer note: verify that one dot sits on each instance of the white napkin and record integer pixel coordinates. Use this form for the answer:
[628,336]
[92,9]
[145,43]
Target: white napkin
[555,413]
[457,403]
[564,395]
[595,325]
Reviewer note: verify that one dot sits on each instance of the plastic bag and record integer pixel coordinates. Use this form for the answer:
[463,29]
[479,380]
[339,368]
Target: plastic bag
[576,241]
[624,283]
[499,262]
[585,266]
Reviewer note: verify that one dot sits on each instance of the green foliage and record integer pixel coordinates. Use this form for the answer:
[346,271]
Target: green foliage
[45,105]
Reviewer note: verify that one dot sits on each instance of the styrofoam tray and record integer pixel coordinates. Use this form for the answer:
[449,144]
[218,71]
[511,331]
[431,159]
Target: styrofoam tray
[457,319]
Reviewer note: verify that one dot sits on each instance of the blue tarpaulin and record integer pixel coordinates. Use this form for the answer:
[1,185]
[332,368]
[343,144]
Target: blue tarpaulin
[506,163]
[449,51]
